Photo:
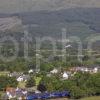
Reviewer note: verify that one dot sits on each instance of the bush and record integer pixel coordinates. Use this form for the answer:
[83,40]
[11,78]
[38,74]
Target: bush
[41,88]
[7,81]
[30,83]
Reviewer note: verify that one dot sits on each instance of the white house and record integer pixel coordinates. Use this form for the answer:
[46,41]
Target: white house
[30,71]
[54,71]
[20,79]
[95,70]
[86,70]
[65,75]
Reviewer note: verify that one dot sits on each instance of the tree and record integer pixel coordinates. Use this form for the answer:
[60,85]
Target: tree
[94,83]
[41,87]
[7,82]
[77,92]
[81,78]
[31,82]
[46,67]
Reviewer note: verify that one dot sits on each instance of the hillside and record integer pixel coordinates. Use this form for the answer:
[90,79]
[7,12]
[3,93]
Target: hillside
[80,22]
[11,24]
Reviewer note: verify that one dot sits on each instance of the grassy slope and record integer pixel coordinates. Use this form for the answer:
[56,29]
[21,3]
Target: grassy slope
[87,98]
[92,98]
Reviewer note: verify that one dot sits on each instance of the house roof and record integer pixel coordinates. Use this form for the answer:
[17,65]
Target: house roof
[10,89]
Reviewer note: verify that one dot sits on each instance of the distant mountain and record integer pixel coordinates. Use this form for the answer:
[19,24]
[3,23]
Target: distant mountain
[80,22]
[37,5]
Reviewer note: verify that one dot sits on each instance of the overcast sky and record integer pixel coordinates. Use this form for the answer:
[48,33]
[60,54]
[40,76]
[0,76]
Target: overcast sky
[33,5]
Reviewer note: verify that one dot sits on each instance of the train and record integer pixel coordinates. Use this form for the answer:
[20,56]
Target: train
[47,95]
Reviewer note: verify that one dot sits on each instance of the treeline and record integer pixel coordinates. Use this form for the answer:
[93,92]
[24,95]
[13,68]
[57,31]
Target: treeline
[46,65]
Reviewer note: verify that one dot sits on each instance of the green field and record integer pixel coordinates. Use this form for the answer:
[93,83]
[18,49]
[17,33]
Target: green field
[92,98]
[87,98]
[4,73]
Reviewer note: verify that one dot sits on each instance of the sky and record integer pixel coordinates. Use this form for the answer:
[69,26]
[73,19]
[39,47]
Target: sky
[10,6]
